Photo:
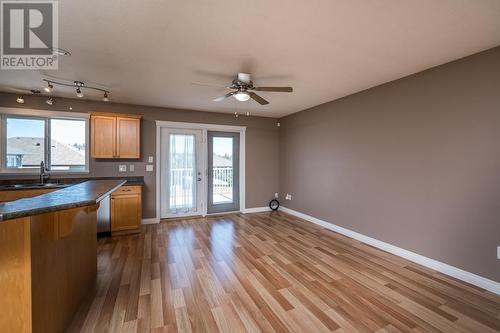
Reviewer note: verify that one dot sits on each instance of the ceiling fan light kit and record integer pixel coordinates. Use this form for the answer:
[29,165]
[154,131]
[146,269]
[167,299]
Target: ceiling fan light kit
[244,90]
[242,96]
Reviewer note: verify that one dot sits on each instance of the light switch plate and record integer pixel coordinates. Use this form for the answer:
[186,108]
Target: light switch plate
[131,168]
[149,167]
[150,159]
[498,252]
[122,168]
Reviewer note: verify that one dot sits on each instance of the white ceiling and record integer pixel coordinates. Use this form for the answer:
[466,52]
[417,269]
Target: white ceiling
[150,52]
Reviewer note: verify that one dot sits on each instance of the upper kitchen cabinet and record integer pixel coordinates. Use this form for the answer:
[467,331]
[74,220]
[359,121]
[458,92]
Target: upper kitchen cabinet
[115,135]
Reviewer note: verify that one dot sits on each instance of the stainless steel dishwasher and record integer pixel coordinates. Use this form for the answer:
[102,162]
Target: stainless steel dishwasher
[104,217]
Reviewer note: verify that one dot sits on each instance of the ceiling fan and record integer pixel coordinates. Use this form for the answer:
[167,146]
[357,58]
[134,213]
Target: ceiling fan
[244,90]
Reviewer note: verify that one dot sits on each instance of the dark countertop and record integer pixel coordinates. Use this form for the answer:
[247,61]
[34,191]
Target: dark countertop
[83,194]
[57,183]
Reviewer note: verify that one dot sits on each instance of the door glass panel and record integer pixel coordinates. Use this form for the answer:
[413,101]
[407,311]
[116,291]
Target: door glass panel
[222,170]
[182,173]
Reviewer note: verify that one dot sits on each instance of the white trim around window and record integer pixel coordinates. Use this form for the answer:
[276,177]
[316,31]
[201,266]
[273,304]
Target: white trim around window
[45,115]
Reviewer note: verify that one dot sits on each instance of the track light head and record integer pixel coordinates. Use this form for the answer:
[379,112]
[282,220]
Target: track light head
[20,99]
[79,92]
[105,98]
[50,101]
[49,87]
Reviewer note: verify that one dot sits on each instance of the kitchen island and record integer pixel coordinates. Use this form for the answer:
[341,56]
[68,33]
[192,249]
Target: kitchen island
[48,256]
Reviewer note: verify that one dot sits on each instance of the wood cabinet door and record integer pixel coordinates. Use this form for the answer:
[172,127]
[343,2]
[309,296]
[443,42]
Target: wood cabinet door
[21,194]
[103,135]
[125,212]
[128,137]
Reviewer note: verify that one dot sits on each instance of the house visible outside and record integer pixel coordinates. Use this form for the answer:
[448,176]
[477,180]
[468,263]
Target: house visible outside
[28,152]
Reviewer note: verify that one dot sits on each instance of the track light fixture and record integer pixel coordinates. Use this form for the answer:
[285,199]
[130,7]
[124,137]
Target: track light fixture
[50,101]
[79,87]
[79,93]
[20,99]
[49,87]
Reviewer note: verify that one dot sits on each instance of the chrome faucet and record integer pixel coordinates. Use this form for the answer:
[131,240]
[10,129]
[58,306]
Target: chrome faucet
[43,173]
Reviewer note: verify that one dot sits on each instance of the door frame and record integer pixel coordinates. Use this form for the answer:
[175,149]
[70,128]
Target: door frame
[205,128]
[222,207]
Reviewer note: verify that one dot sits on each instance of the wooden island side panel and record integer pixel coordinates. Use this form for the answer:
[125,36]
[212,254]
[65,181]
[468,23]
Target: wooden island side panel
[48,265]
[15,276]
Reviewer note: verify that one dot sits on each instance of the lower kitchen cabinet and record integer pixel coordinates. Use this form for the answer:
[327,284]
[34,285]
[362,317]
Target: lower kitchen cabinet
[21,194]
[126,208]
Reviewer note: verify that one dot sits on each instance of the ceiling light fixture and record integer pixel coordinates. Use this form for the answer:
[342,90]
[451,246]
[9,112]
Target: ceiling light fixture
[79,87]
[242,96]
[50,101]
[20,99]
[49,87]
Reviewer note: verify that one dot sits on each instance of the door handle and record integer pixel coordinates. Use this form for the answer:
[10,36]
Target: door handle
[199,179]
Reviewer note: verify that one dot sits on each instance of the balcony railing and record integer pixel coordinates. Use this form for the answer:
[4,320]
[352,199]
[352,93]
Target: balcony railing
[182,188]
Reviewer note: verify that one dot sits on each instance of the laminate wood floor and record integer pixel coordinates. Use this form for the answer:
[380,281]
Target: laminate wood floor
[271,272]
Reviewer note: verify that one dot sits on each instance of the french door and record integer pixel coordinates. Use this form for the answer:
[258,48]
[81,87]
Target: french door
[181,173]
[223,172]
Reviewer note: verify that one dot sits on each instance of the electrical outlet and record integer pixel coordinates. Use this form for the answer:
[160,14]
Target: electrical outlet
[131,168]
[498,252]
[288,196]
[122,168]
[149,167]
[150,159]
[276,195]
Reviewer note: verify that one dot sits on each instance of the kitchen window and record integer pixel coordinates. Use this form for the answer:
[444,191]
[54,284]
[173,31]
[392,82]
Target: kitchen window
[61,142]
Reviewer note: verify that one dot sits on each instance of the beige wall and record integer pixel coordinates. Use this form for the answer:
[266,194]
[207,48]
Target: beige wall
[262,144]
[415,163]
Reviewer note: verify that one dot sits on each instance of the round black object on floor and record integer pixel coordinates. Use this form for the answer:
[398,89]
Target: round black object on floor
[274,204]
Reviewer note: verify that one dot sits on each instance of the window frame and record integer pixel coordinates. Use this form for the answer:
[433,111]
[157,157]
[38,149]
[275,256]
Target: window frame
[46,116]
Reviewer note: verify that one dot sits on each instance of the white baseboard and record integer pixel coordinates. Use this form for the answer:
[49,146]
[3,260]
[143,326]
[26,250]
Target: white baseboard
[452,271]
[153,220]
[255,210]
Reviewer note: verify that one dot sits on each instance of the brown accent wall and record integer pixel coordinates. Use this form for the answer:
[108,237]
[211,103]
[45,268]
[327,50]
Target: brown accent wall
[262,144]
[414,162]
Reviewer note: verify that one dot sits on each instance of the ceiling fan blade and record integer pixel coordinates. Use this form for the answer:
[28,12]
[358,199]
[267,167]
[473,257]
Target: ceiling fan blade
[219,99]
[258,99]
[275,89]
